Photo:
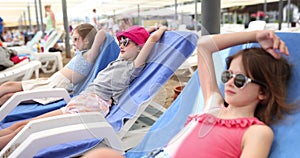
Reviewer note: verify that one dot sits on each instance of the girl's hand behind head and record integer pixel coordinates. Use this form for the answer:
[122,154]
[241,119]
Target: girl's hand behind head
[271,43]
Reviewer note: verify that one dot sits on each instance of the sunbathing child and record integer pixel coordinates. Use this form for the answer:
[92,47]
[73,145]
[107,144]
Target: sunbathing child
[110,83]
[255,92]
[71,74]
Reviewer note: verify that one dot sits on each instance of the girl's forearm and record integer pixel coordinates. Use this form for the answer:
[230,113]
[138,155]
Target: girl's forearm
[157,34]
[223,41]
[143,55]
[99,39]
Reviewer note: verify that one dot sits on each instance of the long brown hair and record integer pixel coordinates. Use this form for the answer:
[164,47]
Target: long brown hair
[88,32]
[275,74]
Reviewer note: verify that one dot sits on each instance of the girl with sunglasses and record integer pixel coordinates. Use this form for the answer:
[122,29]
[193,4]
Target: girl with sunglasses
[71,74]
[110,83]
[255,84]
[135,46]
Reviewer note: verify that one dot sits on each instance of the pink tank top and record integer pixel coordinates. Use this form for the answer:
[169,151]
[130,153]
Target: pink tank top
[210,137]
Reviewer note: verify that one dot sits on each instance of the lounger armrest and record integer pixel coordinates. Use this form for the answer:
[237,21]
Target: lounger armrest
[22,50]
[19,97]
[132,120]
[42,133]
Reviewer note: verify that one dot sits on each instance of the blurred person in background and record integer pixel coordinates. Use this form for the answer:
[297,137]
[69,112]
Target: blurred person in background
[94,19]
[50,18]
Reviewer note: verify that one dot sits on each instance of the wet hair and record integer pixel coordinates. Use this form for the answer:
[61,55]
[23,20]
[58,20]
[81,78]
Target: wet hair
[86,32]
[275,74]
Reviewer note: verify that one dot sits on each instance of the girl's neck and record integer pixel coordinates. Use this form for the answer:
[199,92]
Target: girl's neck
[232,112]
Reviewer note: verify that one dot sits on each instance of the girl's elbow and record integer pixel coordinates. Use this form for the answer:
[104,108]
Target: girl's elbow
[202,42]
[154,38]
[206,45]
[102,31]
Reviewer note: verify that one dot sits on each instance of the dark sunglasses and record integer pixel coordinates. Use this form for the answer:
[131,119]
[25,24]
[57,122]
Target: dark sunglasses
[240,80]
[124,41]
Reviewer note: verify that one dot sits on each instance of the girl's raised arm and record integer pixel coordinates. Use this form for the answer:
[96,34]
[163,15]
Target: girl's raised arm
[208,45]
[95,49]
[145,51]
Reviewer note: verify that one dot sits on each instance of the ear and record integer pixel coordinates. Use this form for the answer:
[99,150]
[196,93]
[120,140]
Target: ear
[86,41]
[261,96]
